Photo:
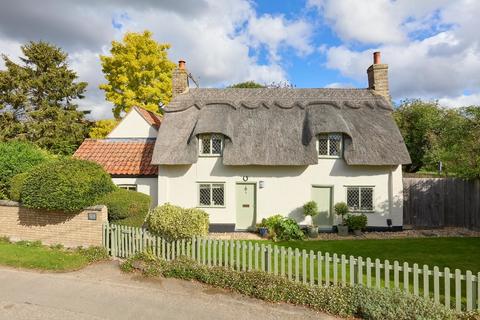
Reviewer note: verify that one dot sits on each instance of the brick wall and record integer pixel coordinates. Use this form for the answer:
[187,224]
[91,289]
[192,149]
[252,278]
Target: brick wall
[52,227]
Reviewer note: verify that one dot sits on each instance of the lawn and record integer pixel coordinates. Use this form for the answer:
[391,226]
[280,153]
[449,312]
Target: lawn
[33,255]
[455,253]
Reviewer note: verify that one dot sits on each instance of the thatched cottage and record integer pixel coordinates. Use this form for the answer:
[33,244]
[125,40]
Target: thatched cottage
[246,154]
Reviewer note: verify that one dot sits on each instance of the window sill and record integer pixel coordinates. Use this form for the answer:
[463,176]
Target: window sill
[212,207]
[362,211]
[329,157]
[209,155]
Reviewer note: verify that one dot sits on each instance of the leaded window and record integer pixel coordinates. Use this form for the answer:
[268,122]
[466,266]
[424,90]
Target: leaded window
[131,187]
[330,145]
[360,198]
[211,144]
[211,194]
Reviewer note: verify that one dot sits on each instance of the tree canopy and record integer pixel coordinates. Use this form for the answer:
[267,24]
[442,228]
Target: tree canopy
[435,134]
[138,73]
[247,84]
[37,99]
[102,128]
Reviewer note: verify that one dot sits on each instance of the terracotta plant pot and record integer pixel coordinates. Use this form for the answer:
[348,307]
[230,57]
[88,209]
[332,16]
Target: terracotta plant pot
[342,230]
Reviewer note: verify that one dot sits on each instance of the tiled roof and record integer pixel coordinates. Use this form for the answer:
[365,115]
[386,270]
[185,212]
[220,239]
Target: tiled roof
[152,118]
[120,156]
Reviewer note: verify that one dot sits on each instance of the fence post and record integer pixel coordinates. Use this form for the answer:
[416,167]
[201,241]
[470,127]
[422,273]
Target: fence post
[469,289]
[275,260]
[343,261]
[369,272]
[415,279]
[446,275]
[297,265]
[327,269]
[406,278]
[244,256]
[386,266]
[426,289]
[319,267]
[250,256]
[335,268]
[312,268]
[377,273]
[289,270]
[304,266]
[282,261]
[458,290]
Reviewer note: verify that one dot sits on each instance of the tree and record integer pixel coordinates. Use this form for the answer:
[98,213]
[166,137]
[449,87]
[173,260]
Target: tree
[102,128]
[247,84]
[420,125]
[138,73]
[37,99]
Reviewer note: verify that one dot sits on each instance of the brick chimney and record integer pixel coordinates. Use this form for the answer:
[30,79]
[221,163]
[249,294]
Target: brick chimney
[378,77]
[179,79]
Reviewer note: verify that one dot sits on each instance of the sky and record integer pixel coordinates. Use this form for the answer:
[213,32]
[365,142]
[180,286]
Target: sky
[432,47]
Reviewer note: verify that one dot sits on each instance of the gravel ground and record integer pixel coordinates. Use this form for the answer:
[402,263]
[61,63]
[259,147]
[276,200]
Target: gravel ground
[446,232]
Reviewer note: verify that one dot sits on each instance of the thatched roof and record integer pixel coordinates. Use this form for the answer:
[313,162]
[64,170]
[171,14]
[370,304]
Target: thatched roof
[279,126]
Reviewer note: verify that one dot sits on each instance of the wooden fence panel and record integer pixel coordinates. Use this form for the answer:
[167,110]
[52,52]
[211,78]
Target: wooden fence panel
[441,202]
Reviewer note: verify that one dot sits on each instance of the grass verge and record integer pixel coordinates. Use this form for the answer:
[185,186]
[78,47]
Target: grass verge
[34,255]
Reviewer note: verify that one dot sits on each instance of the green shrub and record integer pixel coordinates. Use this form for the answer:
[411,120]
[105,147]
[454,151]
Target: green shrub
[310,209]
[343,301]
[282,229]
[173,222]
[94,254]
[16,185]
[18,157]
[356,222]
[68,184]
[124,204]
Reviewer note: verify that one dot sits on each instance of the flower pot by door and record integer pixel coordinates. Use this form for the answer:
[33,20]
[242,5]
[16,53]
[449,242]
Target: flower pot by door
[342,230]
[357,232]
[313,232]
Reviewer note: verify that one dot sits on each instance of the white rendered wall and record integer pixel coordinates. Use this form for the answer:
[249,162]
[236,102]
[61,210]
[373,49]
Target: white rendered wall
[286,188]
[133,126]
[147,186]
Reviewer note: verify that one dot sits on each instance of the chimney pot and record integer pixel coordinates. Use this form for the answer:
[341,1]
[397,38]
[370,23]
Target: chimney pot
[181,64]
[376,57]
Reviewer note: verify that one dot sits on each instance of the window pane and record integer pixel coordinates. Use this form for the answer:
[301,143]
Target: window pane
[323,145]
[353,198]
[205,145]
[204,195]
[366,198]
[218,195]
[335,144]
[216,145]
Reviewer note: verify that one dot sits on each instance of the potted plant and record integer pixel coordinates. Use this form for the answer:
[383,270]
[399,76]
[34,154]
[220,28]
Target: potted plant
[357,223]
[341,209]
[310,209]
[262,229]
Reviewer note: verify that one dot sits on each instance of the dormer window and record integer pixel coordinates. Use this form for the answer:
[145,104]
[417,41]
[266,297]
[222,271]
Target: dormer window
[211,144]
[330,145]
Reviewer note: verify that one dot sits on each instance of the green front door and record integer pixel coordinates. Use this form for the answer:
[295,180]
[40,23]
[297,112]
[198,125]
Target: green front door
[245,197]
[323,197]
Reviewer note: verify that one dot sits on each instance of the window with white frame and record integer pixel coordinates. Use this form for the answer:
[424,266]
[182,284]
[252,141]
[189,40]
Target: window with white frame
[131,187]
[360,198]
[211,144]
[211,194]
[330,145]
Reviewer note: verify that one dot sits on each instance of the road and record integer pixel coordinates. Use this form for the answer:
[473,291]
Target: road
[101,291]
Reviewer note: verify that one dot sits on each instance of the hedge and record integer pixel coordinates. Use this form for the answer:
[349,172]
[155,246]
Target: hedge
[68,184]
[344,301]
[172,222]
[18,157]
[16,184]
[124,204]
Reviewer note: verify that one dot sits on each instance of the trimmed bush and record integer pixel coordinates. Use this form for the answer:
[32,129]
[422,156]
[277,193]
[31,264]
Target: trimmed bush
[18,157]
[124,204]
[173,222]
[282,229]
[310,209]
[356,222]
[16,185]
[344,301]
[68,184]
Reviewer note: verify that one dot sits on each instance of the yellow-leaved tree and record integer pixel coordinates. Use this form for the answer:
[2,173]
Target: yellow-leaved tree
[102,128]
[138,73]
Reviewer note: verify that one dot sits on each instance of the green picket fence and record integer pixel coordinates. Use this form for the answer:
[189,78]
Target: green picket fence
[453,289]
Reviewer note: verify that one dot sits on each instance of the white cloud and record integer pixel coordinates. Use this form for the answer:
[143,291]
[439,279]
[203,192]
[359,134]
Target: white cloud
[216,38]
[442,64]
[461,101]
